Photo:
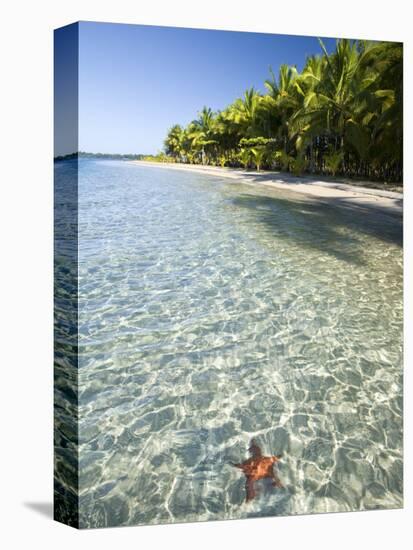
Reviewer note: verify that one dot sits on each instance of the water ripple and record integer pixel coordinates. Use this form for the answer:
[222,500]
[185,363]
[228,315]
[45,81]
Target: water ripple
[210,313]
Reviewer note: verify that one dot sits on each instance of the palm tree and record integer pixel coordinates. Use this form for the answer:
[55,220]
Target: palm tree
[259,156]
[283,100]
[174,141]
[201,132]
[387,121]
[343,113]
[243,112]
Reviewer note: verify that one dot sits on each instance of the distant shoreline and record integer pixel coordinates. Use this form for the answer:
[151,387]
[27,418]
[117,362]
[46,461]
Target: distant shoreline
[334,192]
[99,156]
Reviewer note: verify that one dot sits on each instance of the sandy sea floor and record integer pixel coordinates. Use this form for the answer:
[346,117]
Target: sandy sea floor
[331,191]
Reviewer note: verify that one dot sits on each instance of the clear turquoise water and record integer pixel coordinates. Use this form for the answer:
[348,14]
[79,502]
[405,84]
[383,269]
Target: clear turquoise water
[212,312]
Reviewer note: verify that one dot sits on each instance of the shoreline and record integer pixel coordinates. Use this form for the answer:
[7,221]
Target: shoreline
[337,193]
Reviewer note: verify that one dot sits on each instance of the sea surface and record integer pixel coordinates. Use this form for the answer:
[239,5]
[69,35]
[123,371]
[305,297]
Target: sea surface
[212,313]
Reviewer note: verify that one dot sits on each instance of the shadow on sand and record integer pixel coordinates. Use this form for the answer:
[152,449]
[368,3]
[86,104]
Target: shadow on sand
[333,226]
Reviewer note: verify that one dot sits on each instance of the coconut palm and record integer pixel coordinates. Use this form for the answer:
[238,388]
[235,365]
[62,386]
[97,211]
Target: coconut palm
[174,141]
[243,112]
[201,133]
[283,101]
[341,114]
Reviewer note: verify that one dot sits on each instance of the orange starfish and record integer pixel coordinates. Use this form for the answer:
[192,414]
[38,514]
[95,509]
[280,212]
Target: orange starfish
[258,467]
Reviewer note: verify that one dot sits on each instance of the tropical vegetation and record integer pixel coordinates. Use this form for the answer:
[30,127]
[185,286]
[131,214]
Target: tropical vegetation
[341,115]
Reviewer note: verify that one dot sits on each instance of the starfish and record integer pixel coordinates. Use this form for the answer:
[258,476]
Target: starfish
[258,467]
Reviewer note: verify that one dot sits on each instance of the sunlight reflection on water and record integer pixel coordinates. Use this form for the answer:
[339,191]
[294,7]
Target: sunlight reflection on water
[213,312]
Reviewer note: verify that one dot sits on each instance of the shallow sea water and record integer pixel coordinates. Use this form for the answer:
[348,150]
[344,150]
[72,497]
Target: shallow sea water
[211,313]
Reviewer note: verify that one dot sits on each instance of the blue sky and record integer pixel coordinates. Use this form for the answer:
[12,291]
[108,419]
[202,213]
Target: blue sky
[136,81]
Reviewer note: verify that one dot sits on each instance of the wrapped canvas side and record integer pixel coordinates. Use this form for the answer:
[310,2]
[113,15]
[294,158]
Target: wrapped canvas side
[66,477]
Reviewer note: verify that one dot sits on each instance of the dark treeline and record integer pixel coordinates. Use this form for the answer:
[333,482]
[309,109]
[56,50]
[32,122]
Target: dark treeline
[342,115]
[103,156]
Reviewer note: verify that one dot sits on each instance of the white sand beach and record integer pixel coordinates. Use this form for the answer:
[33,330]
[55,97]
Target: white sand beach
[340,194]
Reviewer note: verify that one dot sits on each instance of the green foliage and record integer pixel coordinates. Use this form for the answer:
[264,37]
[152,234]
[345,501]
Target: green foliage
[245,157]
[259,154]
[284,160]
[299,165]
[160,157]
[342,114]
[222,160]
[255,142]
[333,161]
